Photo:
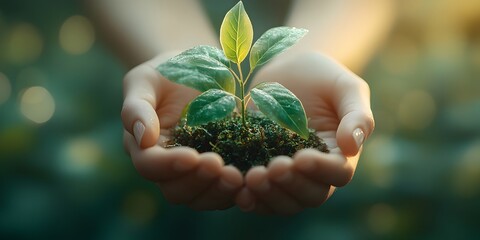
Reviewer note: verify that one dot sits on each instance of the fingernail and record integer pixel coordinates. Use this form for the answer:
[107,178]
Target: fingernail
[226,186]
[263,186]
[284,177]
[138,131]
[359,137]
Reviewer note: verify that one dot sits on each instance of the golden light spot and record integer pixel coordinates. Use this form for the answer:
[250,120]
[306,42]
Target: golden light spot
[382,218]
[76,35]
[81,156]
[416,110]
[140,207]
[37,104]
[23,44]
[5,88]
[466,176]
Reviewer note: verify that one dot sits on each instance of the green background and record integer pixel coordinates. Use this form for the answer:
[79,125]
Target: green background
[69,178]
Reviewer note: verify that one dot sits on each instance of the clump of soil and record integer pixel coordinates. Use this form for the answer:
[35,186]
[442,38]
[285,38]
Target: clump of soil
[244,148]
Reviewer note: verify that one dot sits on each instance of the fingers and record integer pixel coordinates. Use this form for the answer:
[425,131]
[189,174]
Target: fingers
[353,105]
[328,168]
[245,200]
[220,195]
[159,164]
[139,107]
[305,191]
[269,195]
[184,189]
[186,177]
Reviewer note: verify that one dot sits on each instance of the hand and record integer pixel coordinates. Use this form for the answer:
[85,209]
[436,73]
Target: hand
[153,105]
[337,104]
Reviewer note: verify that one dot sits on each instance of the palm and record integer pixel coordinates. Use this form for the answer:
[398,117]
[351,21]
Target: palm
[174,98]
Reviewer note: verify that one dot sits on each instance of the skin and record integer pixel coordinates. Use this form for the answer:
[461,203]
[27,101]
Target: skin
[335,99]
[336,102]
[200,181]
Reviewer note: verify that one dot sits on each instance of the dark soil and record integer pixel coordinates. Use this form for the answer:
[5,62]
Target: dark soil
[244,148]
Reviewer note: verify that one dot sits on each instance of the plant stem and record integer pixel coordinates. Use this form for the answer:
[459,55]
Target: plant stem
[242,95]
[234,75]
[248,77]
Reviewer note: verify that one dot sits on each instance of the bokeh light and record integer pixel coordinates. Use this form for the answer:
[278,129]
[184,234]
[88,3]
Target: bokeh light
[24,44]
[37,104]
[5,88]
[140,207]
[81,157]
[416,110]
[76,35]
[382,218]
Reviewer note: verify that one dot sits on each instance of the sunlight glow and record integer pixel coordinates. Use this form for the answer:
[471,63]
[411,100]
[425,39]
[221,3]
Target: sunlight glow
[81,156]
[76,35]
[37,104]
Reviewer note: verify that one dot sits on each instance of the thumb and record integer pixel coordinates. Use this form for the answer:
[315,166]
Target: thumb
[139,116]
[356,118]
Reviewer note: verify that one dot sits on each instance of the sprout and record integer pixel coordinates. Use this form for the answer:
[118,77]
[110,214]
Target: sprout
[210,71]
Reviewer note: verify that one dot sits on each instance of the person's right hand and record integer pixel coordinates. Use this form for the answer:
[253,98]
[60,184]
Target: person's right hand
[337,104]
[152,105]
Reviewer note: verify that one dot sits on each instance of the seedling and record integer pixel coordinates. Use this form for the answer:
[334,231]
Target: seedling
[245,139]
[212,72]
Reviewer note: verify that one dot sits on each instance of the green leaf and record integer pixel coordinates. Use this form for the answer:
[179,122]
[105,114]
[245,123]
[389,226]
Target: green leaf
[201,68]
[210,106]
[236,34]
[273,42]
[282,106]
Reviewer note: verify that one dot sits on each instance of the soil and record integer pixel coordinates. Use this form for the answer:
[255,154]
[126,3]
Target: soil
[244,147]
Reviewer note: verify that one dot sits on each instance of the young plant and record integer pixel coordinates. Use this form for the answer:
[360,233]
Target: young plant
[212,72]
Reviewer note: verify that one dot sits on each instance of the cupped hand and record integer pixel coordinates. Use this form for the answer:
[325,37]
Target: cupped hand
[152,105]
[337,104]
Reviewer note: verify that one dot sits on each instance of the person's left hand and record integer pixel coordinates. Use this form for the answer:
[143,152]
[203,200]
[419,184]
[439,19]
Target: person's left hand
[337,104]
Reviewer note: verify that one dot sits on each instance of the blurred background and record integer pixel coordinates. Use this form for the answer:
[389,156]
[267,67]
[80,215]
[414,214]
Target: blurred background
[64,173]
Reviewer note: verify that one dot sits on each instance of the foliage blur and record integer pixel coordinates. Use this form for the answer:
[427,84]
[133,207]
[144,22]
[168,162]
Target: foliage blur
[64,173]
